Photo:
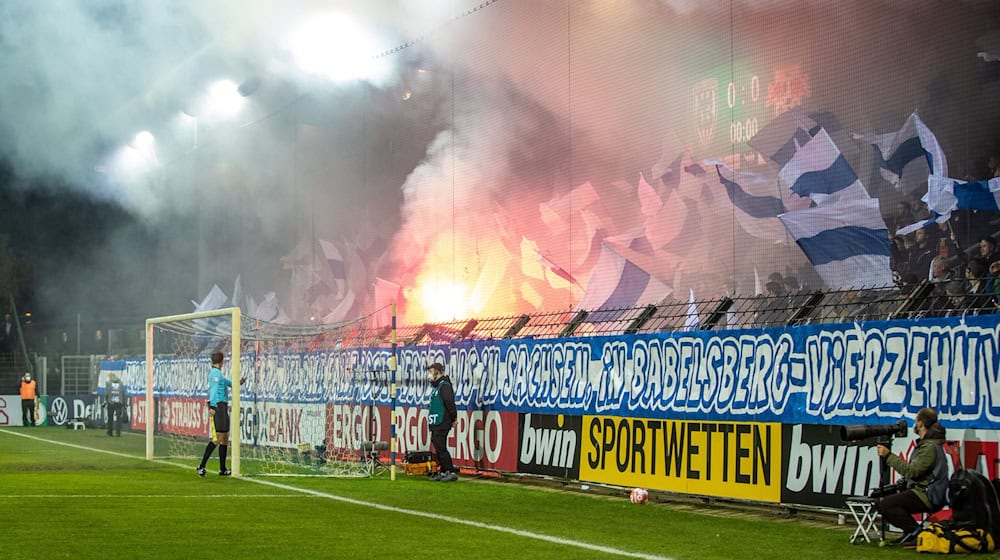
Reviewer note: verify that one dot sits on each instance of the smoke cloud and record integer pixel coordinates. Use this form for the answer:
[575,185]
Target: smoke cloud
[450,166]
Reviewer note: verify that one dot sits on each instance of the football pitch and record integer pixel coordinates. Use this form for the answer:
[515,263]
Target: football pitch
[80,494]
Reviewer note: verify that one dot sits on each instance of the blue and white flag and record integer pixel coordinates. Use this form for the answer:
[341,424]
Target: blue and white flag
[846,240]
[337,267]
[789,131]
[215,299]
[758,201]
[945,195]
[934,219]
[819,171]
[619,283]
[906,157]
[753,205]
[267,310]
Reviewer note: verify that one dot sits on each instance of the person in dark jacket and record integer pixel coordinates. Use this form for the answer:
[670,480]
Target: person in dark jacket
[115,397]
[926,473]
[440,417]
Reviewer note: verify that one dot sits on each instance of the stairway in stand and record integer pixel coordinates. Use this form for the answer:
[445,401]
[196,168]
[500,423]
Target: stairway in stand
[12,367]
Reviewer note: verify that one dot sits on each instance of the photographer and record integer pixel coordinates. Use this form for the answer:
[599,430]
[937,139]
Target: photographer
[926,476]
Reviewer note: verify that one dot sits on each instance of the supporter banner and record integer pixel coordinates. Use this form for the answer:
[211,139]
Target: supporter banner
[727,459]
[550,445]
[812,374]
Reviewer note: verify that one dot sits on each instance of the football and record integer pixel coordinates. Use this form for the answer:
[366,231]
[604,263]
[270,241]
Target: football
[638,495]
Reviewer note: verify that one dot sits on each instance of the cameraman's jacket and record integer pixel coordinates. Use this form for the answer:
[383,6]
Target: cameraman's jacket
[920,469]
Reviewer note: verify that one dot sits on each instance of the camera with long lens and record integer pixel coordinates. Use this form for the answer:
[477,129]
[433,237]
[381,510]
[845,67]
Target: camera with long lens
[857,432]
[884,434]
[889,489]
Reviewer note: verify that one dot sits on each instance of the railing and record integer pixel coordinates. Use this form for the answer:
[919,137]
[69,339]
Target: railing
[79,374]
[923,300]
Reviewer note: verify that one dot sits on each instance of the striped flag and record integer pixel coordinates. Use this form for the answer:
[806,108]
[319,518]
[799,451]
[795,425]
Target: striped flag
[618,283]
[781,138]
[945,195]
[819,171]
[906,157]
[846,240]
[267,310]
[758,201]
[215,299]
[337,266]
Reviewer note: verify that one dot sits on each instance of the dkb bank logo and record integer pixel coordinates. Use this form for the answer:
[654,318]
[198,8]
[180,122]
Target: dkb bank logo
[550,445]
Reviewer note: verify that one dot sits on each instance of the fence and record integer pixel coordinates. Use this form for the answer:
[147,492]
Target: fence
[79,374]
[925,299]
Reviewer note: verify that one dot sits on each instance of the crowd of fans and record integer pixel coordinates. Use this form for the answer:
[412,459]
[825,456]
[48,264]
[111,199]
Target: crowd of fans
[959,258]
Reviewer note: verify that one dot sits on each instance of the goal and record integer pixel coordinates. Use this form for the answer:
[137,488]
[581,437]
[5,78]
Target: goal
[316,399]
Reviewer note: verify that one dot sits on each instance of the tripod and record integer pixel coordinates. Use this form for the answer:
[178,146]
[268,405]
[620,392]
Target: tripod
[885,489]
[372,445]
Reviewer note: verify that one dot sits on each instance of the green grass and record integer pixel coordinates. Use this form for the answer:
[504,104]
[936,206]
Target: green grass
[82,503]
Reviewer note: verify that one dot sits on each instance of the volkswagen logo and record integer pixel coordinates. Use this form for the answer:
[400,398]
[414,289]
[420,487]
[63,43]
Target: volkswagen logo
[59,411]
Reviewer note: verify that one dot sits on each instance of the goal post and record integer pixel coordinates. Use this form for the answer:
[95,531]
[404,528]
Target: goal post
[318,399]
[235,319]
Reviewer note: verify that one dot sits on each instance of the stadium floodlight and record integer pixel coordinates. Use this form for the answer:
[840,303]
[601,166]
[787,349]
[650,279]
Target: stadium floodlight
[223,100]
[143,141]
[133,159]
[336,47]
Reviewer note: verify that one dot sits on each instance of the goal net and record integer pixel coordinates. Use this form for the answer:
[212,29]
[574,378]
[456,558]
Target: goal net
[308,405]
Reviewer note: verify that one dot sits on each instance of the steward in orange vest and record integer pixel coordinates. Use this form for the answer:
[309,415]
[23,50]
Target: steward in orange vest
[28,396]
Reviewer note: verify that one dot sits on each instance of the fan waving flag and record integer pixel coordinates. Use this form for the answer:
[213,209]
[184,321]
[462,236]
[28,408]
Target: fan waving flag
[337,267]
[819,171]
[758,201]
[789,131]
[846,240]
[908,156]
[755,206]
[945,195]
[618,283]
[215,299]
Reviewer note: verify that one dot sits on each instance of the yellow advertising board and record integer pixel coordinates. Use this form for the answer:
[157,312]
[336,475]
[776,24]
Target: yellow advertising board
[712,458]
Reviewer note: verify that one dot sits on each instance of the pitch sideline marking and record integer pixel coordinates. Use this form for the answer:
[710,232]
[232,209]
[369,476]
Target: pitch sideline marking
[154,496]
[392,509]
